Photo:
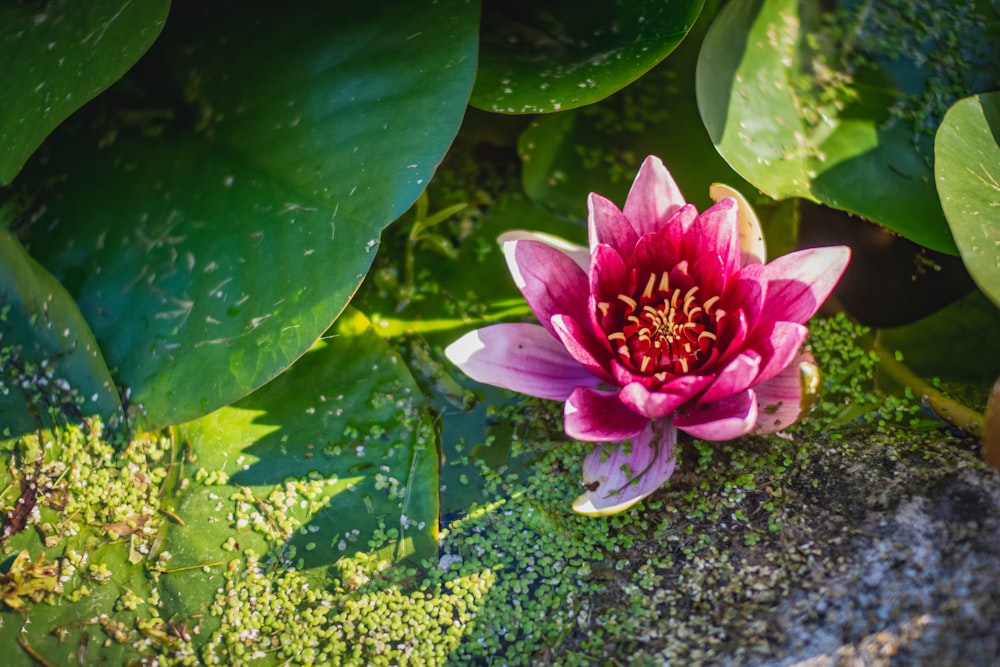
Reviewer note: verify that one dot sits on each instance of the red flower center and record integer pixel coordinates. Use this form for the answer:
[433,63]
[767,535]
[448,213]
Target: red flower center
[661,330]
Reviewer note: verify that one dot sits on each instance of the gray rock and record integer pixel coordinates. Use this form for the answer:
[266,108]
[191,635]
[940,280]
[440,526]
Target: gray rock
[888,553]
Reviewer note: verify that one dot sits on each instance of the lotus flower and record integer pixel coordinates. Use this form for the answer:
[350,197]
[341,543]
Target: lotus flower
[670,321]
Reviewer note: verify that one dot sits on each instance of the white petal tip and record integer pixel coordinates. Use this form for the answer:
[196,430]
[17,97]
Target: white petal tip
[464,348]
[578,253]
[592,504]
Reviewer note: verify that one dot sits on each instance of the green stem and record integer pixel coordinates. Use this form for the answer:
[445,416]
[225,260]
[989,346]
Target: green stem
[958,414]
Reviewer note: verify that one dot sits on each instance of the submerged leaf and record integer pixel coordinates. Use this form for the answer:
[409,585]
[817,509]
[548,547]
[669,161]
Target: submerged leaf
[336,452]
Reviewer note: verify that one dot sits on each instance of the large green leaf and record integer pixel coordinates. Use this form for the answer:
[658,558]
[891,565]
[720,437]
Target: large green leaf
[311,465]
[55,56]
[210,252]
[51,369]
[555,55]
[967,167]
[761,101]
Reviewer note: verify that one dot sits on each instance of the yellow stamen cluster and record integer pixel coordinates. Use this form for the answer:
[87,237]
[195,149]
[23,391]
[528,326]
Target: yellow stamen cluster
[662,330]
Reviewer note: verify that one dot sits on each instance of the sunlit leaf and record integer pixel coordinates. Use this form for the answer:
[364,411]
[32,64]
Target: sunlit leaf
[757,85]
[79,584]
[967,167]
[208,252]
[556,55]
[57,631]
[337,448]
[55,56]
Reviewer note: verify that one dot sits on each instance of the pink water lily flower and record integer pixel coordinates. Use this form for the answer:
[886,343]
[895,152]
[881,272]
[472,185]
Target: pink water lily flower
[671,321]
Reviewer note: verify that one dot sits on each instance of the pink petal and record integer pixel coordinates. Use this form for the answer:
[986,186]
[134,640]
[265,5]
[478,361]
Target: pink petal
[662,251]
[583,346]
[664,401]
[725,419]
[747,292]
[716,232]
[799,282]
[606,224]
[778,347]
[709,274]
[551,282]
[653,198]
[731,336]
[578,253]
[786,397]
[626,474]
[608,273]
[521,357]
[734,378]
[623,376]
[655,253]
[598,416]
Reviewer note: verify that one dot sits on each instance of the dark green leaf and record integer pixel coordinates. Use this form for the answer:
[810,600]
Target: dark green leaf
[967,167]
[55,56]
[599,148]
[955,344]
[208,258]
[51,369]
[556,55]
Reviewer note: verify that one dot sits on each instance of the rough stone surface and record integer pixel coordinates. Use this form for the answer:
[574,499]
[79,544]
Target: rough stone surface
[918,583]
[890,556]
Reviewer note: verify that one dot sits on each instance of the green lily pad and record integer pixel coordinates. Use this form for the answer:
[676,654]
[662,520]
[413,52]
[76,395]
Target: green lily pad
[337,451]
[208,252]
[56,56]
[551,56]
[51,368]
[794,127]
[967,167]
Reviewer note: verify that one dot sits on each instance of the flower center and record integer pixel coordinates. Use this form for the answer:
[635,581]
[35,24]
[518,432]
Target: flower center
[662,330]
